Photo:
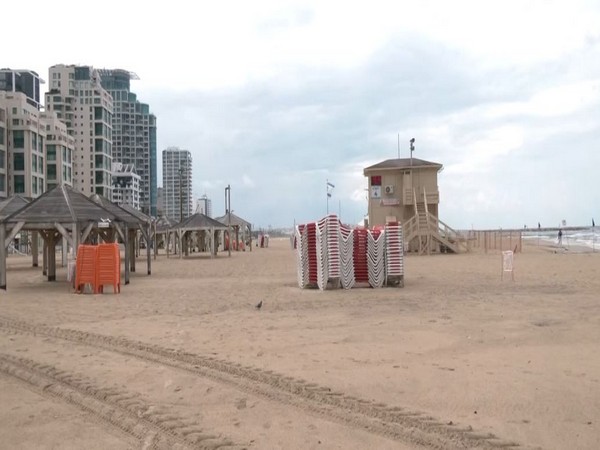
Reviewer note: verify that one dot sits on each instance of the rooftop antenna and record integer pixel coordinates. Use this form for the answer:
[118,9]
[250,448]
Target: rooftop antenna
[412,149]
[398,145]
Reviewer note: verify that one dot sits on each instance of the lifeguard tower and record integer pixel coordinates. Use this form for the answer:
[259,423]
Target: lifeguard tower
[405,190]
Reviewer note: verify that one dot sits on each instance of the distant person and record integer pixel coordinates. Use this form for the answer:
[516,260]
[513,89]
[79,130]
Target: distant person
[559,237]
[539,226]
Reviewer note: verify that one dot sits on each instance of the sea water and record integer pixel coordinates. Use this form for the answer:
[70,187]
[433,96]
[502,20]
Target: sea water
[586,237]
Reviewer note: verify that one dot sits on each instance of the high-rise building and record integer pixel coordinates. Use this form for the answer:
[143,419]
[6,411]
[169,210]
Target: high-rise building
[78,98]
[204,206]
[134,134]
[126,185]
[59,151]
[177,183]
[23,150]
[25,81]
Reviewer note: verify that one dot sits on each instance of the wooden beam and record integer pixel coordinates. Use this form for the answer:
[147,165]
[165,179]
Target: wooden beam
[13,233]
[119,231]
[86,231]
[64,232]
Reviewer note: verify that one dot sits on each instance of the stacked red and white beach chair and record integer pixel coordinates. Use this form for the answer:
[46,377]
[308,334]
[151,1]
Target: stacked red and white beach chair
[331,255]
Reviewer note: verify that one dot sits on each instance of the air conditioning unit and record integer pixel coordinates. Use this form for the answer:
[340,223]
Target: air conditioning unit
[389,189]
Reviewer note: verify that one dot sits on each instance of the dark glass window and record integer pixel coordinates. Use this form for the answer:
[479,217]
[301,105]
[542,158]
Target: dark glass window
[18,161]
[51,152]
[19,184]
[18,139]
[51,172]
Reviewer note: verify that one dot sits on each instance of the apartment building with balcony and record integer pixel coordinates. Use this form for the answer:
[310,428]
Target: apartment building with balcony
[22,146]
[79,100]
[60,146]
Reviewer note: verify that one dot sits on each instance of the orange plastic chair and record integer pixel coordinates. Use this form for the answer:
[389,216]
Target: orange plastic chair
[85,272]
[108,267]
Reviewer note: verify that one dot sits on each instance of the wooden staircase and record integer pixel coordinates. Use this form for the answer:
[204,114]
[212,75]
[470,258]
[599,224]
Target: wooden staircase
[430,233]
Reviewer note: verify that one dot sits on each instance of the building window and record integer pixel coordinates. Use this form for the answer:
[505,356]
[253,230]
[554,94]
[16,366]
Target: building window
[51,172]
[19,184]
[18,161]
[2,182]
[19,139]
[51,152]
[2,156]
[34,187]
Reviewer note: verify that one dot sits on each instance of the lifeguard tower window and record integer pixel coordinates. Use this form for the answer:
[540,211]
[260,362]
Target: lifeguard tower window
[407,172]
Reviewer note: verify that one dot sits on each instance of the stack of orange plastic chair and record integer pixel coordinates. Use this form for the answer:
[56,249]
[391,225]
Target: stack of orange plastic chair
[86,268]
[108,267]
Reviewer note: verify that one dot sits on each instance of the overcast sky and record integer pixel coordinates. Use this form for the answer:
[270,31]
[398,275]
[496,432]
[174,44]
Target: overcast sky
[276,97]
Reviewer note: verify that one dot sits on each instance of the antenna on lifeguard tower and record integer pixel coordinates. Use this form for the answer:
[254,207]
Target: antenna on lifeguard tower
[398,145]
[412,149]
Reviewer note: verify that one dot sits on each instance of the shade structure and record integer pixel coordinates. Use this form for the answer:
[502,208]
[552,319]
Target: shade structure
[60,212]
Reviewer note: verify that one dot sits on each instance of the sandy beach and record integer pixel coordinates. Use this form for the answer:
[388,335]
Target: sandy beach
[458,358]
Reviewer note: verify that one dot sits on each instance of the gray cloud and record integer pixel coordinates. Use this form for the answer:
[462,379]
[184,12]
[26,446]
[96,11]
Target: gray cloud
[277,141]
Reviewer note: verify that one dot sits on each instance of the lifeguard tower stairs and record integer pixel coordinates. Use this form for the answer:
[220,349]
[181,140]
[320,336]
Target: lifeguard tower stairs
[425,233]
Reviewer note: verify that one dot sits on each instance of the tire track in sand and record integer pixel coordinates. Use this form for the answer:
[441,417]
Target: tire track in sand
[152,428]
[392,422]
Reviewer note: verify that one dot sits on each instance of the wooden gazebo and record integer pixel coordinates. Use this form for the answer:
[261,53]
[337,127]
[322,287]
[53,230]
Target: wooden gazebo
[239,226]
[205,227]
[64,212]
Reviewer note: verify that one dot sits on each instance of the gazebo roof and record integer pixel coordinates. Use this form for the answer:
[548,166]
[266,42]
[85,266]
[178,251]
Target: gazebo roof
[235,221]
[12,205]
[117,210]
[140,215]
[200,221]
[63,204]
[163,224]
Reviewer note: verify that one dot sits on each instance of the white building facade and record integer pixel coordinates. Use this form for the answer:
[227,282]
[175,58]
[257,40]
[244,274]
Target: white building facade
[204,206]
[126,185]
[59,151]
[22,147]
[79,100]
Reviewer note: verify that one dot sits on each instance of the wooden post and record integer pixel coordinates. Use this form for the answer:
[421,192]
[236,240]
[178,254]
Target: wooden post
[133,248]
[149,250]
[75,238]
[34,249]
[52,239]
[155,239]
[180,232]
[2,256]
[127,253]
[65,249]
[45,257]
